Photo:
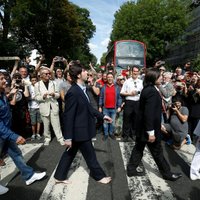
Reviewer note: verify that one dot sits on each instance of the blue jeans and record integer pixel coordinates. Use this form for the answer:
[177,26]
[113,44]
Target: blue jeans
[15,153]
[109,127]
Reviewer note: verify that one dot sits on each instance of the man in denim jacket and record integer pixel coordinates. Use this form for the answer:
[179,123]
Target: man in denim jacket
[10,140]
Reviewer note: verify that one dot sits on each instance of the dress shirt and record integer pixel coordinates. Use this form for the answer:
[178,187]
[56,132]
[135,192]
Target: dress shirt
[131,85]
[83,87]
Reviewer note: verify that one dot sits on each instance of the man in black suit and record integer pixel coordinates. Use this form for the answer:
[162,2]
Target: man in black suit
[148,129]
[79,128]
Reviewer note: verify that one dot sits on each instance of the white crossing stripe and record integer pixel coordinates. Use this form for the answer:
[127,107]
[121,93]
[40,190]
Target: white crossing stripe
[8,171]
[150,186]
[77,190]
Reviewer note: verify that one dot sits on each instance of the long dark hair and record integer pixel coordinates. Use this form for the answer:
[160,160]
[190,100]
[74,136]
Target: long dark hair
[152,74]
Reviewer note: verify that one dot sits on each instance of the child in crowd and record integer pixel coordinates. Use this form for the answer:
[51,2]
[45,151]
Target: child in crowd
[34,110]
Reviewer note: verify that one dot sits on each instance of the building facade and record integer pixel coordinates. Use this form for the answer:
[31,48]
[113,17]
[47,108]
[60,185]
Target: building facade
[191,48]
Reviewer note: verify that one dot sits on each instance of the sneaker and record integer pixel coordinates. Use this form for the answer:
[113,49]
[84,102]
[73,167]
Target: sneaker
[3,190]
[38,137]
[46,143]
[36,177]
[33,137]
[194,177]
[188,139]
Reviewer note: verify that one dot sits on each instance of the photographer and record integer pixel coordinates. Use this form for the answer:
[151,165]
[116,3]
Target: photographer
[20,114]
[93,89]
[177,128]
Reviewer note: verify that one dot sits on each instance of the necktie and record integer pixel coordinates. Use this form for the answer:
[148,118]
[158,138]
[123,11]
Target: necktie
[84,90]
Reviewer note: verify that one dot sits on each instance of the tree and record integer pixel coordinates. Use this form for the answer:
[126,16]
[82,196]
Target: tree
[155,22]
[53,27]
[196,63]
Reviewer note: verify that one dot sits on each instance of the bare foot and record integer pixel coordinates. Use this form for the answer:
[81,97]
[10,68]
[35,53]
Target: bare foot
[105,180]
[63,182]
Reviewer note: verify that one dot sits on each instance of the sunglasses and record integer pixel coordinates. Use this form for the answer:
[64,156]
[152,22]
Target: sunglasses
[46,74]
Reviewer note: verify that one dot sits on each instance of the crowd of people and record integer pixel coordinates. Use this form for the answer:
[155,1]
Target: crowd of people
[122,103]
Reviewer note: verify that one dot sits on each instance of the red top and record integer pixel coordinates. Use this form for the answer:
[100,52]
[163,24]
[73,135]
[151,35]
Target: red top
[101,82]
[110,100]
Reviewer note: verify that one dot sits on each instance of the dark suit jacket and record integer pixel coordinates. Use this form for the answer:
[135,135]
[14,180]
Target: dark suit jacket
[149,117]
[79,116]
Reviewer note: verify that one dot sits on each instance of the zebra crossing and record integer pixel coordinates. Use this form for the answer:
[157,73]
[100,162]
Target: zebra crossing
[112,155]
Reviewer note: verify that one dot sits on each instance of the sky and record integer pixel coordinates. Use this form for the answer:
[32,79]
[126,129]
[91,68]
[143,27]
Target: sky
[102,15]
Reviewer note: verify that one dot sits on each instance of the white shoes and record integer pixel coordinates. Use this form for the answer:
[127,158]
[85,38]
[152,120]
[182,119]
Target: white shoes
[46,143]
[193,177]
[3,190]
[36,177]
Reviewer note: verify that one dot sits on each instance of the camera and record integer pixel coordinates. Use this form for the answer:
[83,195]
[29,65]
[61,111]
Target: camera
[18,81]
[58,59]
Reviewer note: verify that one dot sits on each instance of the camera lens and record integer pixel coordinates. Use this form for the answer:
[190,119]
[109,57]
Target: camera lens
[18,81]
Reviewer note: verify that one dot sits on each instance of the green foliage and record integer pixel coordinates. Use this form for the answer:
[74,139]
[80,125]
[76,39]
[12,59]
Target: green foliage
[103,59]
[53,27]
[196,63]
[155,22]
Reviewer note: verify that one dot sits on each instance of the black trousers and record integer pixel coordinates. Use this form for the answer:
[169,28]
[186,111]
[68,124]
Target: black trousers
[157,153]
[89,155]
[131,109]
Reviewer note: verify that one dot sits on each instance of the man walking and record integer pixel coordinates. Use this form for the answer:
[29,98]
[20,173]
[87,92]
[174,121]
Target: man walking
[148,128]
[9,140]
[79,128]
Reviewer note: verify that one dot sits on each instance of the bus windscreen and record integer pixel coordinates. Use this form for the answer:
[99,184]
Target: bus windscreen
[129,49]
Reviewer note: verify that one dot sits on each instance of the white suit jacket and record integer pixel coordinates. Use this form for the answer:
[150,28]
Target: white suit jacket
[50,102]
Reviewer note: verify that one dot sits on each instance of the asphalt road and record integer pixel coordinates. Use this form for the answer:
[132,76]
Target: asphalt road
[113,156]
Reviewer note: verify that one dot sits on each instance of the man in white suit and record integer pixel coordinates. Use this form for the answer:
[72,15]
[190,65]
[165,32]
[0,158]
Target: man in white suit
[47,93]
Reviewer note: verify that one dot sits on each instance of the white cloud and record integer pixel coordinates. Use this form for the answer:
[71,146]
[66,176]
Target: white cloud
[105,42]
[102,15]
[93,46]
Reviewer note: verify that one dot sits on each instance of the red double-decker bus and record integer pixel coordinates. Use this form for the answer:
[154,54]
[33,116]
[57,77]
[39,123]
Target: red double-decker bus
[126,53]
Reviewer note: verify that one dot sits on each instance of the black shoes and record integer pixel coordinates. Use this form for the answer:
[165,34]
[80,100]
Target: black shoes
[134,172]
[172,177]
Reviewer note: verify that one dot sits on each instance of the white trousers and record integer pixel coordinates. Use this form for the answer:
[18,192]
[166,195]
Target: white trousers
[195,165]
[55,122]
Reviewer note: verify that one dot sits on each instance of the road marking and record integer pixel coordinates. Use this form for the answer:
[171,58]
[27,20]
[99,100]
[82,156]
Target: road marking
[77,190]
[150,186]
[8,171]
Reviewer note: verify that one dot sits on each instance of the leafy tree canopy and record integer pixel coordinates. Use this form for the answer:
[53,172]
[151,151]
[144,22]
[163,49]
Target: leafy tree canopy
[53,27]
[154,22]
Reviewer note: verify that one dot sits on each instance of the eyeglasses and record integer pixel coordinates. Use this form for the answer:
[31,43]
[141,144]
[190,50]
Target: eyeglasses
[46,74]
